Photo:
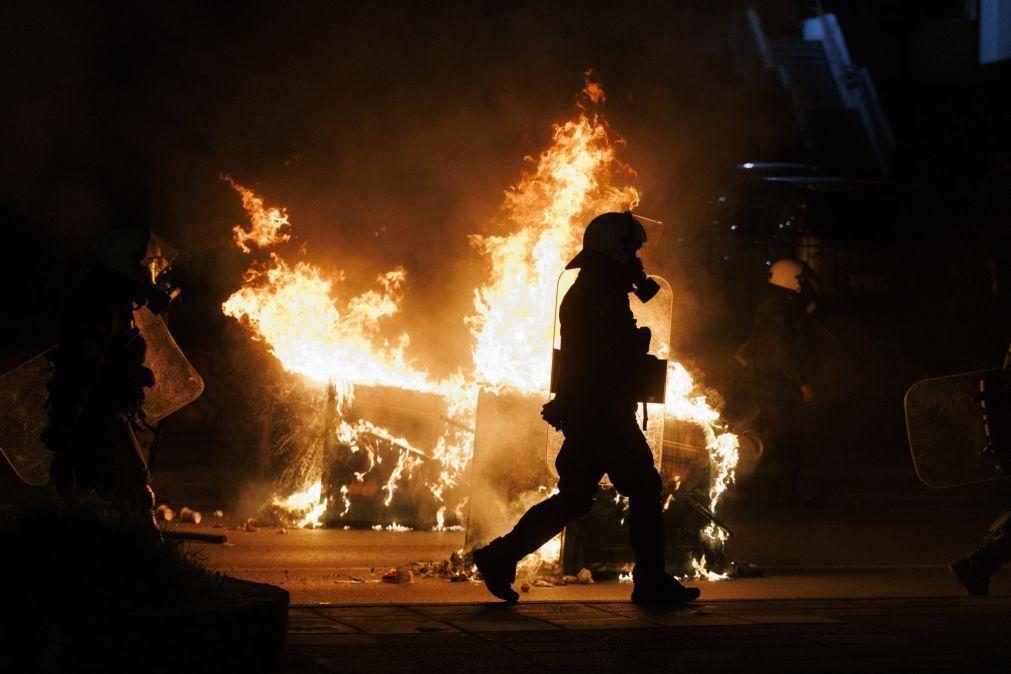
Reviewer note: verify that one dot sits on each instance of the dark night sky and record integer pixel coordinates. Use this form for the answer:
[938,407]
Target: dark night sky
[406,119]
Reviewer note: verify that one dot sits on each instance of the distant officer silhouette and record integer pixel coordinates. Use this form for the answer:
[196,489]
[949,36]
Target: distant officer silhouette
[602,353]
[96,394]
[778,357]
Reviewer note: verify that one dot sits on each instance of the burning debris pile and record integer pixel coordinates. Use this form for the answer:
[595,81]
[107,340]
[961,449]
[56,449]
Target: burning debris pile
[394,444]
[459,568]
[541,569]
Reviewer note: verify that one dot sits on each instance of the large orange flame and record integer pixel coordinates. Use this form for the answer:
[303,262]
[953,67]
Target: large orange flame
[265,223]
[313,332]
[547,210]
[298,310]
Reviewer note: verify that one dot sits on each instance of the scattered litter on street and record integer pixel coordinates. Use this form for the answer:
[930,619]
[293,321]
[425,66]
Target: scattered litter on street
[190,516]
[399,575]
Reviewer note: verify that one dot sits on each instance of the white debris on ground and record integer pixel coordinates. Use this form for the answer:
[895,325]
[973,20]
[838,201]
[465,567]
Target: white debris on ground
[458,568]
[190,516]
[395,526]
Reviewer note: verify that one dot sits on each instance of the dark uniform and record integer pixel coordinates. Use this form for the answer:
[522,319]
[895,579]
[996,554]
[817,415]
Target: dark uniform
[776,354]
[976,570]
[96,396]
[601,349]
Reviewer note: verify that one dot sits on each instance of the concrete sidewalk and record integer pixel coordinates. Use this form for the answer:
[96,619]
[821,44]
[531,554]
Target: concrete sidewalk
[823,635]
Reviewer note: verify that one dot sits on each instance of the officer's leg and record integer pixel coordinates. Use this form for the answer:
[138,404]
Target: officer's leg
[975,571]
[129,482]
[995,551]
[86,463]
[63,475]
[778,423]
[578,480]
[634,475]
[792,448]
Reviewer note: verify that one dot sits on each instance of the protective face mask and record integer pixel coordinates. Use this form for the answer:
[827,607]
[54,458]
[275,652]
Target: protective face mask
[643,286]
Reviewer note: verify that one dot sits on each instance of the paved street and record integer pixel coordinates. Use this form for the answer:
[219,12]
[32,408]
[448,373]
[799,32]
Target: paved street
[860,586]
[899,551]
[841,635]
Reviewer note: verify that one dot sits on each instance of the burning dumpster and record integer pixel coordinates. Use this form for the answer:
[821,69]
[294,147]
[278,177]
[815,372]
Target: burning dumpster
[400,443]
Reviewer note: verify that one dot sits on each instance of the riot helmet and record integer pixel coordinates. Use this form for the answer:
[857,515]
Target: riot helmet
[144,260]
[787,273]
[796,277]
[618,236]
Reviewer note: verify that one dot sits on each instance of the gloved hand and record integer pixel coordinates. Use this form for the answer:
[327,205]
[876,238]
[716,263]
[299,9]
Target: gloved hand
[554,412]
[643,337]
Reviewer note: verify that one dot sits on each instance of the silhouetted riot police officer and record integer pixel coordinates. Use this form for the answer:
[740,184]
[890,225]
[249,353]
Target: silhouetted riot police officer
[96,393]
[602,353]
[777,355]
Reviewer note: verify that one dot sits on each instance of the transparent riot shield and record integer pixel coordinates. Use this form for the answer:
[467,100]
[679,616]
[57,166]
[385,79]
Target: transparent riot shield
[23,416]
[655,315]
[23,396]
[946,432]
[177,383]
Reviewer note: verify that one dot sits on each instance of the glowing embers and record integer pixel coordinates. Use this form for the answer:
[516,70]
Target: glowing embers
[544,561]
[391,471]
[301,509]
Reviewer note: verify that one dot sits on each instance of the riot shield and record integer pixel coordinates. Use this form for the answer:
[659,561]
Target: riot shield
[947,435]
[23,416]
[177,383]
[23,396]
[655,315]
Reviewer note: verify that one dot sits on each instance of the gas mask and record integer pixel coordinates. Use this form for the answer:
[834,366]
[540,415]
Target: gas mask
[158,291]
[643,286]
[158,295]
[145,259]
[619,237]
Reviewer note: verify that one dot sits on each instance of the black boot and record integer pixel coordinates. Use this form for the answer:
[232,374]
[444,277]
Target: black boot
[498,572]
[973,578]
[663,590]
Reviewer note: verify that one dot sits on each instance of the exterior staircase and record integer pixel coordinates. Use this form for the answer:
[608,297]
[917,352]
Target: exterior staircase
[834,101]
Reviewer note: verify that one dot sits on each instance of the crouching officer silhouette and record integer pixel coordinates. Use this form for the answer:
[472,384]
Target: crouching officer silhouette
[602,354]
[96,393]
